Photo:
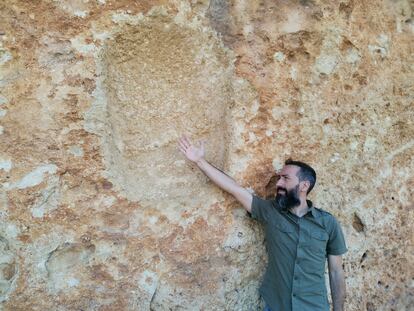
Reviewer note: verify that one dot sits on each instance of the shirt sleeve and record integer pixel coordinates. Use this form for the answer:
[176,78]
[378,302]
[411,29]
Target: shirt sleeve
[261,209]
[336,243]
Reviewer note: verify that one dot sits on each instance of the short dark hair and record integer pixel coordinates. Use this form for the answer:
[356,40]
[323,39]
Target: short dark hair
[305,172]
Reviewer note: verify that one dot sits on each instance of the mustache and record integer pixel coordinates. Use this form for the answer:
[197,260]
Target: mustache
[288,199]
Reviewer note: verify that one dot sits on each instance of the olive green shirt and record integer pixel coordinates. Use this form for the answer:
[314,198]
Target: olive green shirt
[297,250]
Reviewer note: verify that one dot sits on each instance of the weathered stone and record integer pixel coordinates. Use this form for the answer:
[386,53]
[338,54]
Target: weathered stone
[8,269]
[171,79]
[100,211]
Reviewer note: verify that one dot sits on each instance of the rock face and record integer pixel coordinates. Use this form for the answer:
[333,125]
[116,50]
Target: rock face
[99,210]
[161,79]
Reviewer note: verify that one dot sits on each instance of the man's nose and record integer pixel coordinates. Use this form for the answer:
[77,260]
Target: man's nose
[279,183]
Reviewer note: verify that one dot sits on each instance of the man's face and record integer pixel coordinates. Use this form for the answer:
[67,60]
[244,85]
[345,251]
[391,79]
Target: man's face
[287,187]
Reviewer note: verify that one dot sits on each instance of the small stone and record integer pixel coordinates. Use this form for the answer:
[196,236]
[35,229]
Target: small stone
[279,56]
[325,64]
[5,56]
[5,164]
[76,150]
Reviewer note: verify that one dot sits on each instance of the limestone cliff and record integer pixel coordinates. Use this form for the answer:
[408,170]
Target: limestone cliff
[100,211]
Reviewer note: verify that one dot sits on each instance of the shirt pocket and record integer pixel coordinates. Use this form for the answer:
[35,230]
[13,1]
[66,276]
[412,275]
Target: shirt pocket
[283,227]
[278,224]
[281,237]
[318,241]
[279,231]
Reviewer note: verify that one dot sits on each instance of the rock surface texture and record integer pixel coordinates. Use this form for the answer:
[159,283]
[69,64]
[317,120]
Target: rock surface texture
[100,211]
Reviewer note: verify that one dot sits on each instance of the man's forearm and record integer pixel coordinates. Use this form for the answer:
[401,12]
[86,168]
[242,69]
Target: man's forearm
[338,290]
[217,176]
[226,183]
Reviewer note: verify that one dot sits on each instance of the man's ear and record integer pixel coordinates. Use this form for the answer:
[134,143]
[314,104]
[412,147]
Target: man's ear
[304,186]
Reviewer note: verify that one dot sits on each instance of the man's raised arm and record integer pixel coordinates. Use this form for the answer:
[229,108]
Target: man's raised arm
[225,182]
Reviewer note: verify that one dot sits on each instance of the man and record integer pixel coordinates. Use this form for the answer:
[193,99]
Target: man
[299,237]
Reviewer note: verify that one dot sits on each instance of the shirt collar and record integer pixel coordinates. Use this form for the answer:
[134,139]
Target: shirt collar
[312,209]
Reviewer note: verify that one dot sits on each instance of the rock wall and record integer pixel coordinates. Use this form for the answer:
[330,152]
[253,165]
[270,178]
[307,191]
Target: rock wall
[98,209]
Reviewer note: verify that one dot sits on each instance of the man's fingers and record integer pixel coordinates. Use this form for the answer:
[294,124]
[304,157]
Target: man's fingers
[182,149]
[182,145]
[186,141]
[182,141]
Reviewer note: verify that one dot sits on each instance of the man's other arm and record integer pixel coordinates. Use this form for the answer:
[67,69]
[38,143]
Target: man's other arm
[225,182]
[337,282]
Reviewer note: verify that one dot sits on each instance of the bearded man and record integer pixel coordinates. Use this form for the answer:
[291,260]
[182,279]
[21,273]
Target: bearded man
[300,238]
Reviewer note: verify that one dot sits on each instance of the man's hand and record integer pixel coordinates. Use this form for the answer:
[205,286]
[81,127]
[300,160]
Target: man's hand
[225,182]
[192,153]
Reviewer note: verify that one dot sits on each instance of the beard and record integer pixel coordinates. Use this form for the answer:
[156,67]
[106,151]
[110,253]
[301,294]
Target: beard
[289,199]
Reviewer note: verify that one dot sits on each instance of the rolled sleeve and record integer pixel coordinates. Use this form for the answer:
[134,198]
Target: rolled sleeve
[261,209]
[336,243]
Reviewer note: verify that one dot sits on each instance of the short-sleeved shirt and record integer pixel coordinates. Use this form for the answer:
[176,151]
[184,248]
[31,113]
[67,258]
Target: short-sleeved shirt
[297,249]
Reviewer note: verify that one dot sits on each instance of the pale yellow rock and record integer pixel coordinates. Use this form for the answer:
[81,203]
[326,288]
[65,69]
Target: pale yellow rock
[100,211]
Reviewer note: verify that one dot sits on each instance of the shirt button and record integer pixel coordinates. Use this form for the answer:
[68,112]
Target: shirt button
[295,277]
[294,295]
